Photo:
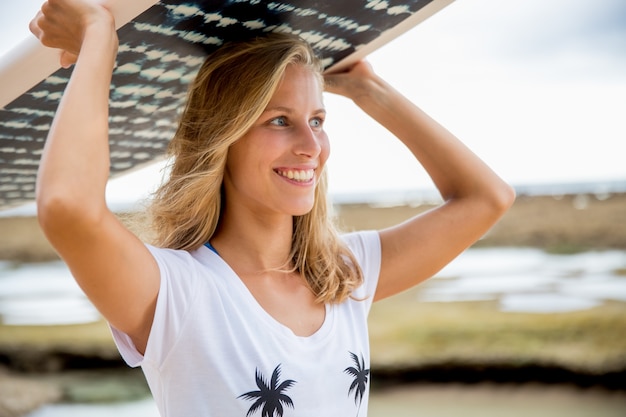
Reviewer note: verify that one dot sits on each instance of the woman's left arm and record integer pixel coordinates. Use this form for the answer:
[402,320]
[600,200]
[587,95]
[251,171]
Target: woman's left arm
[474,196]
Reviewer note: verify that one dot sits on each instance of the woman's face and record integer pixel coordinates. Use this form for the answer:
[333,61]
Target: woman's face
[276,165]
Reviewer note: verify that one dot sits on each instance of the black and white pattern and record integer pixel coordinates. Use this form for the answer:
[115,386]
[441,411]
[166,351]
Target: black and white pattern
[160,52]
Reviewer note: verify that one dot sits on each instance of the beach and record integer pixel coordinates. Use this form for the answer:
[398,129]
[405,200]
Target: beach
[558,223]
[538,302]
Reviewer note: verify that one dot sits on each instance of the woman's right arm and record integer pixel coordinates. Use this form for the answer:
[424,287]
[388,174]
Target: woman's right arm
[112,266]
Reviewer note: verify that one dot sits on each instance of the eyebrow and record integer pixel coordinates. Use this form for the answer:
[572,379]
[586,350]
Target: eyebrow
[282,109]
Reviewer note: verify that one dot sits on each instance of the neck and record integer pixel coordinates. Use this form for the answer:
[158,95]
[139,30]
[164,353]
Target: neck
[254,243]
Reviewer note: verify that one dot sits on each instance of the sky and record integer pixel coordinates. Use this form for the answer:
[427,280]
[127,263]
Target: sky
[536,88]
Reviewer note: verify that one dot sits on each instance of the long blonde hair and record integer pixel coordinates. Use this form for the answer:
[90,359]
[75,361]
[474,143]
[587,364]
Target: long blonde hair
[230,92]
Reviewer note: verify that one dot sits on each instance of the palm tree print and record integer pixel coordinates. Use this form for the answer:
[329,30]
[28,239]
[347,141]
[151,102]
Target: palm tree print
[361,375]
[269,397]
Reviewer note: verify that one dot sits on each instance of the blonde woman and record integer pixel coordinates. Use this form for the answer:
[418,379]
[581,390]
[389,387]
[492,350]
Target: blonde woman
[248,302]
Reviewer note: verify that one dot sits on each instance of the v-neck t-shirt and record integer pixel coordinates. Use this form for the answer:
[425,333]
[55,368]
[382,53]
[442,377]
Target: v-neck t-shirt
[214,351]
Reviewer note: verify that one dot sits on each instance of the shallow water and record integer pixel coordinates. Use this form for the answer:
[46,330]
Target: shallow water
[521,279]
[530,280]
[145,408]
[46,294]
[450,400]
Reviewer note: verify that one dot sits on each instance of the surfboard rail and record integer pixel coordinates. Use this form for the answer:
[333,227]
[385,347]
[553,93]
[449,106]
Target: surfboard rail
[415,19]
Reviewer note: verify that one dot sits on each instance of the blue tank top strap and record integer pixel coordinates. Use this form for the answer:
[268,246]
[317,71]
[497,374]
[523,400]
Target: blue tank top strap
[208,245]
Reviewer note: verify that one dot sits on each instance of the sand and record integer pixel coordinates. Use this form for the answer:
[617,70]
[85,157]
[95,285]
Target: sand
[559,224]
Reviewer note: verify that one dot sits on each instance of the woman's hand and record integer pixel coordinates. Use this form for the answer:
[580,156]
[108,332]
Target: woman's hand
[353,83]
[63,24]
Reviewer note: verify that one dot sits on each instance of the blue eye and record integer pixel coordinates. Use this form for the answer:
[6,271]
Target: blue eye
[279,121]
[316,122]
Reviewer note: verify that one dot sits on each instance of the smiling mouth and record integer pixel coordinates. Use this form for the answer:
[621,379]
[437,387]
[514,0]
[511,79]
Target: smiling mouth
[299,175]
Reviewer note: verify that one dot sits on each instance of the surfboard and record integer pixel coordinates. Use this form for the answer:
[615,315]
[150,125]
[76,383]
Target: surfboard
[162,45]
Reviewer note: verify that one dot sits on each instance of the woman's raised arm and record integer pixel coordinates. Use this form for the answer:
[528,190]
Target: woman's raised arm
[112,266]
[475,197]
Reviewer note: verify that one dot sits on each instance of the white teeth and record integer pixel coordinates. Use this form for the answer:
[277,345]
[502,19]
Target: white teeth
[298,175]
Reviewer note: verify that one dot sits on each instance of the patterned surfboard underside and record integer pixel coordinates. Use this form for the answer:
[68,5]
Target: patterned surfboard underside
[160,52]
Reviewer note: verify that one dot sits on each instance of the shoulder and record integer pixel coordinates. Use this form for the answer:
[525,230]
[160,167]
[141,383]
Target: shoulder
[168,258]
[181,268]
[364,245]
[366,249]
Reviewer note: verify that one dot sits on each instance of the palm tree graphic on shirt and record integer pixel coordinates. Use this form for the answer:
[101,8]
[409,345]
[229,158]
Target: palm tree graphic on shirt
[269,397]
[361,375]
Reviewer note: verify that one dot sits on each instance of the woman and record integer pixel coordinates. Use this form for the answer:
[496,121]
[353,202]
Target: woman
[251,304]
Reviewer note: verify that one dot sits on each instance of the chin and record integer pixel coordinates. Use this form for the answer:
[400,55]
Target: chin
[302,209]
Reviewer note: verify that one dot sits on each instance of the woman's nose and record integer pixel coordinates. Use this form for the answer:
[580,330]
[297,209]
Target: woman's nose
[309,141]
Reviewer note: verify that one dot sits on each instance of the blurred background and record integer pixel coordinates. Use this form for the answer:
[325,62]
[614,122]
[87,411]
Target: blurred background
[532,319]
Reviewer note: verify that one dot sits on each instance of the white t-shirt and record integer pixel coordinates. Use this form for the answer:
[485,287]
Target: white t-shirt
[214,351]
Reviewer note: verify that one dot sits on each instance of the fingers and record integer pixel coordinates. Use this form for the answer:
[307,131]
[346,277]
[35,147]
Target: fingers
[340,82]
[66,59]
[43,26]
[33,26]
[57,25]
[331,83]
[354,82]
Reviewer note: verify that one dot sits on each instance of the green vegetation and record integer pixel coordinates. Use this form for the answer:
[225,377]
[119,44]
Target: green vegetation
[405,332]
[566,248]
[102,386]
[94,337]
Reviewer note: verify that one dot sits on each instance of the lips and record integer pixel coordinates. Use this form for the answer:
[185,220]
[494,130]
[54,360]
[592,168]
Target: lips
[299,175]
